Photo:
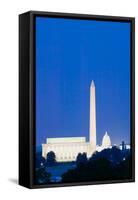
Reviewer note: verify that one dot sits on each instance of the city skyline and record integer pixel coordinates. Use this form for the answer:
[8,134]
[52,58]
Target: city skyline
[66,62]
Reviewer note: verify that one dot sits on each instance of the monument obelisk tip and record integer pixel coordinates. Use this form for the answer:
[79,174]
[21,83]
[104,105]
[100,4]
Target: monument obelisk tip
[92,84]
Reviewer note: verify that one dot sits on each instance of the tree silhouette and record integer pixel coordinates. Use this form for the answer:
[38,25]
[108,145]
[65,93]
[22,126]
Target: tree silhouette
[51,158]
[102,166]
[114,155]
[81,159]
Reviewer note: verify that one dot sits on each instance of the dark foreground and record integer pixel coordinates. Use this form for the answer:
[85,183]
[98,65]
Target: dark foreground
[109,164]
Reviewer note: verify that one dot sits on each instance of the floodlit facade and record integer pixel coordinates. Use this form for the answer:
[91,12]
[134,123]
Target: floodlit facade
[66,149]
[106,142]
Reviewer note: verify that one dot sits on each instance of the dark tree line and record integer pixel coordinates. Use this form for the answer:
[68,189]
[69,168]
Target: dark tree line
[41,174]
[49,161]
[110,164]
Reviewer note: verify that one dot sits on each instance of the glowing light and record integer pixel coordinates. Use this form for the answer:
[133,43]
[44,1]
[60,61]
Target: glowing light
[106,142]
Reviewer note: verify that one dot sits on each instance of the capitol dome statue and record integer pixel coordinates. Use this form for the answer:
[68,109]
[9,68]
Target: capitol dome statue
[106,142]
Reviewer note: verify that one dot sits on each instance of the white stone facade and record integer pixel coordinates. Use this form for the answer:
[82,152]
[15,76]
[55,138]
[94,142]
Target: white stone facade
[67,151]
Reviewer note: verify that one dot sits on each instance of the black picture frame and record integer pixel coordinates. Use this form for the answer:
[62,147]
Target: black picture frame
[27,94]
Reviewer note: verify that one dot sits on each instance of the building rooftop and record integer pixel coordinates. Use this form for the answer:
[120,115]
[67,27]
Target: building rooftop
[65,140]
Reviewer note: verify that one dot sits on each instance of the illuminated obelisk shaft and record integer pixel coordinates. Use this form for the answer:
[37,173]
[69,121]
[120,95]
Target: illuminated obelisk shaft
[92,115]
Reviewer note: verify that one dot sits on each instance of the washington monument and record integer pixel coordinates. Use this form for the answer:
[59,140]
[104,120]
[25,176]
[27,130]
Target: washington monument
[92,130]
[67,148]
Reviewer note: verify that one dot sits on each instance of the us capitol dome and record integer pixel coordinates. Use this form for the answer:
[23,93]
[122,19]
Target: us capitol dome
[106,142]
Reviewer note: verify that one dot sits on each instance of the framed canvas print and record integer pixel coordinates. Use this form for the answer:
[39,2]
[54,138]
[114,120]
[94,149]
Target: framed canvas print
[76,99]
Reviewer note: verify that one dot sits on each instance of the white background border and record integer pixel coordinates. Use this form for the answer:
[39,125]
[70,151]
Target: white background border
[9,11]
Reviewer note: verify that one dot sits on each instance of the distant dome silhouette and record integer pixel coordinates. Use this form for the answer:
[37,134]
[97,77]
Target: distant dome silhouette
[106,142]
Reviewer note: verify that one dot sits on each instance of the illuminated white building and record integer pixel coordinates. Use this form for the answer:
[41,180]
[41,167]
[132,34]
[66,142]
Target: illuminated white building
[67,149]
[106,142]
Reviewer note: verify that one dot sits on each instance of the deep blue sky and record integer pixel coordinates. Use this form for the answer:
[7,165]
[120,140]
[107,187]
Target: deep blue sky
[69,54]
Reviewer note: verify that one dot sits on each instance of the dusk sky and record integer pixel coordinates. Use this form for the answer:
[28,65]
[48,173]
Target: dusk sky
[70,54]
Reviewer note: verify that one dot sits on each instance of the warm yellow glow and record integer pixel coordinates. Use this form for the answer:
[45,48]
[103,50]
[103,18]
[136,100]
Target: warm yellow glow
[65,140]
